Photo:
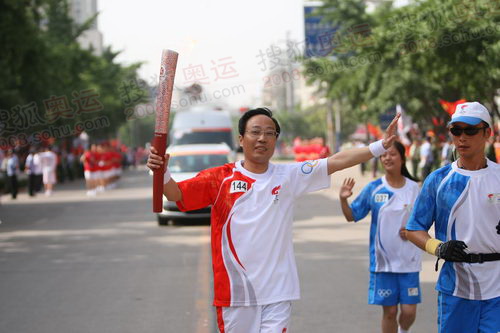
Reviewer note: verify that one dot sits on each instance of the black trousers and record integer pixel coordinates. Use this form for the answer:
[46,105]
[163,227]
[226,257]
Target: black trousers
[32,184]
[38,183]
[426,170]
[13,186]
[69,172]
[60,174]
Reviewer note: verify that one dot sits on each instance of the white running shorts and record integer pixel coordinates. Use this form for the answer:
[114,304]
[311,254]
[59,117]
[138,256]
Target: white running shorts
[270,318]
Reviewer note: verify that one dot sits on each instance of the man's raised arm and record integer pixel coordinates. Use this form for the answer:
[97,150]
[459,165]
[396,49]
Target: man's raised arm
[351,157]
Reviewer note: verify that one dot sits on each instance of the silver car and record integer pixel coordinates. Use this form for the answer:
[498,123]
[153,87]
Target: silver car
[185,162]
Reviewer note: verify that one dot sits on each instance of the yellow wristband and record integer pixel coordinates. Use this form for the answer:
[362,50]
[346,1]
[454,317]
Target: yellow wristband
[431,246]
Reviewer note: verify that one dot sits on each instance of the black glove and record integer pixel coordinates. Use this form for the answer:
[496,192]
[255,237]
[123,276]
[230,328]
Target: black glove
[452,250]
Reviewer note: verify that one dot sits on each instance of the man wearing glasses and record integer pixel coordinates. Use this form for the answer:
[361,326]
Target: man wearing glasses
[463,201]
[255,276]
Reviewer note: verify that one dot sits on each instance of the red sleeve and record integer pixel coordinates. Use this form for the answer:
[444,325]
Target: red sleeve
[200,191]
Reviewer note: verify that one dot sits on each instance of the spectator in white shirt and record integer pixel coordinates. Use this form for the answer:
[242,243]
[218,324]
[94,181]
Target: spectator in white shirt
[426,158]
[49,163]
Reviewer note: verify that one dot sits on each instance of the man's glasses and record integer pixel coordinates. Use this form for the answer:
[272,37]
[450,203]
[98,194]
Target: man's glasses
[258,133]
[470,131]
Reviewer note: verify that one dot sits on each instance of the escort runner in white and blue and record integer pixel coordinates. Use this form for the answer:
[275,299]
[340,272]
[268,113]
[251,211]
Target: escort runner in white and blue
[462,200]
[394,261]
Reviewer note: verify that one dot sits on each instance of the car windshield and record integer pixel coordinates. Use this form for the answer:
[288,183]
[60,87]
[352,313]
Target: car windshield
[202,137]
[195,163]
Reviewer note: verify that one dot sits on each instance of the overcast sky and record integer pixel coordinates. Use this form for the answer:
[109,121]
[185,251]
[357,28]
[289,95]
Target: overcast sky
[218,38]
[218,41]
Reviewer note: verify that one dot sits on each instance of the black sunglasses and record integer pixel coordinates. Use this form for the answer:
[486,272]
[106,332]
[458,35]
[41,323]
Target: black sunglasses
[470,131]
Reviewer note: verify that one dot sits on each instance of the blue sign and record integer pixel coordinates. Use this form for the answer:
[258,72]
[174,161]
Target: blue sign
[319,36]
[386,117]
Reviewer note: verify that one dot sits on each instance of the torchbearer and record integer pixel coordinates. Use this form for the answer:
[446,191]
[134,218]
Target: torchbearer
[255,276]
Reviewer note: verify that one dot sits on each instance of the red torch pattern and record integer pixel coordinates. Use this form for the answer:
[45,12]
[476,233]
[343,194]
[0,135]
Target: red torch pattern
[163,100]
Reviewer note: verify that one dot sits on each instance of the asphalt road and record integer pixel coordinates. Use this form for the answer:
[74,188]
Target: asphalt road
[69,263]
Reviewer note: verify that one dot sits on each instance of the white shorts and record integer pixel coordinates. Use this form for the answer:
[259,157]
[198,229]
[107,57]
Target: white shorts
[96,175]
[270,318]
[89,175]
[49,176]
[107,174]
[117,171]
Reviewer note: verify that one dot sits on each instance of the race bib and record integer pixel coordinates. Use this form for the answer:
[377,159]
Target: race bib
[381,197]
[238,186]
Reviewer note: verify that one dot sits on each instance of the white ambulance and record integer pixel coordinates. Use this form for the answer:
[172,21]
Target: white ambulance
[202,125]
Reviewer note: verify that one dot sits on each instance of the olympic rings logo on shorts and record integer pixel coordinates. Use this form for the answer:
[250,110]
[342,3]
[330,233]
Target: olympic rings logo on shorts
[308,166]
[384,292]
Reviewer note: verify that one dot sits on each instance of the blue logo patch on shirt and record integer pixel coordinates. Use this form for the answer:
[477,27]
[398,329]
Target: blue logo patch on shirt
[308,166]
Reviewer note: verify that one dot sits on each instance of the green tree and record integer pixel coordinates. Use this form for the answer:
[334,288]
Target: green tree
[43,63]
[413,55]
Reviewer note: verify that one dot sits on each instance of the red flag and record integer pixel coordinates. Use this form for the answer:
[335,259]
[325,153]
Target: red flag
[450,107]
[374,131]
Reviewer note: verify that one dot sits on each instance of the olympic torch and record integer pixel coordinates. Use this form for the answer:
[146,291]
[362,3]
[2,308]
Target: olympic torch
[163,100]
